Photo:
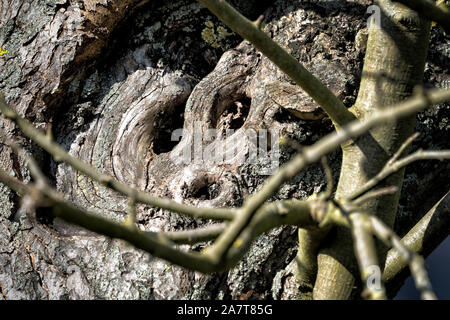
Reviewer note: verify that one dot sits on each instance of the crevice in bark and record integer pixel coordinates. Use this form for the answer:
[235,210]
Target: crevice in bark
[283,116]
[203,189]
[44,216]
[167,122]
[234,114]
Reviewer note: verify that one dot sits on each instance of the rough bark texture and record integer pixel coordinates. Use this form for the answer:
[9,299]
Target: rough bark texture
[114,82]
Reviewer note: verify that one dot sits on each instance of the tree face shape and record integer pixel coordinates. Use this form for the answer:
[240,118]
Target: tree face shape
[143,97]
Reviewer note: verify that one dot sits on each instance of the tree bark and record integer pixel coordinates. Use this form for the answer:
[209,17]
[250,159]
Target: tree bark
[113,79]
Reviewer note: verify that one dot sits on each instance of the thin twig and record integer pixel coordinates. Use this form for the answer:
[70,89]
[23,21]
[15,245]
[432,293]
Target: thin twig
[272,215]
[373,194]
[17,186]
[131,218]
[288,212]
[286,141]
[402,148]
[207,233]
[151,242]
[233,242]
[35,171]
[258,22]
[415,261]
[397,165]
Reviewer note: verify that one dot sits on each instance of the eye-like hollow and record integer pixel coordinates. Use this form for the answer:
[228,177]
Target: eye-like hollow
[145,132]
[203,188]
[233,114]
[166,122]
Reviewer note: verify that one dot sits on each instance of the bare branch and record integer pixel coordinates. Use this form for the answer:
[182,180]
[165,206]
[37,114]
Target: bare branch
[131,218]
[415,261]
[402,148]
[373,194]
[258,22]
[393,166]
[35,171]
[153,243]
[207,233]
[235,239]
[288,212]
[272,215]
[17,186]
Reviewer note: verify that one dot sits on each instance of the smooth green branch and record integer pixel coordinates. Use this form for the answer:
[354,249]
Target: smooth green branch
[423,238]
[281,58]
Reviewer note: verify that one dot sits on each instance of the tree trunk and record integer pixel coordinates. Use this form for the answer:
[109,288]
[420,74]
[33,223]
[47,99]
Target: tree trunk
[394,64]
[113,79]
